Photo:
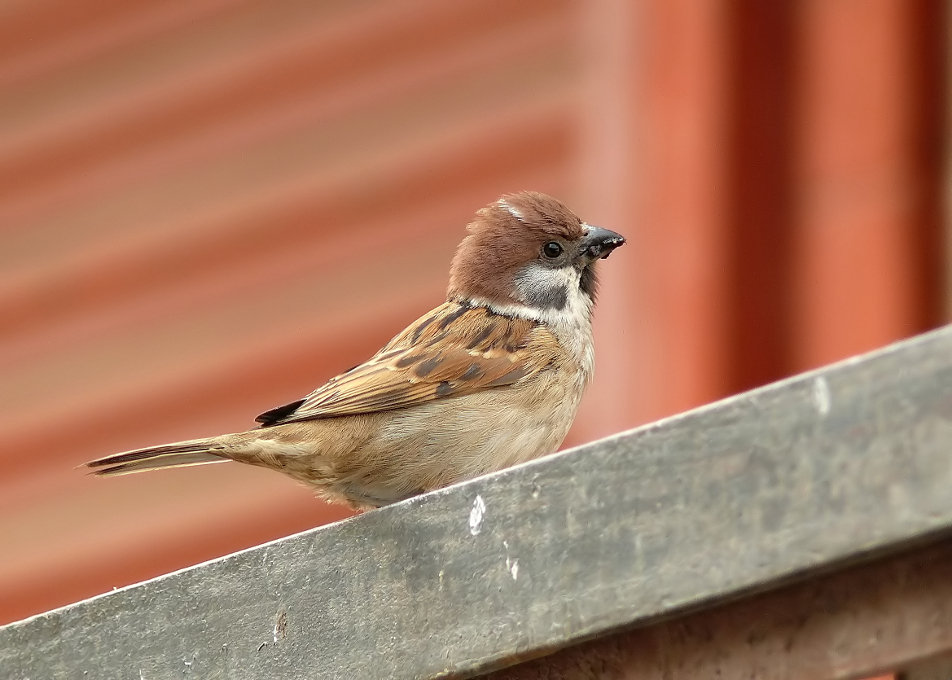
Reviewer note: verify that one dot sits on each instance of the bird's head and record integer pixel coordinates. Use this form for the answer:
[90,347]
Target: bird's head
[529,250]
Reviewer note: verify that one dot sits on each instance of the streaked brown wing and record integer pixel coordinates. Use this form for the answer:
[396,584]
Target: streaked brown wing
[453,350]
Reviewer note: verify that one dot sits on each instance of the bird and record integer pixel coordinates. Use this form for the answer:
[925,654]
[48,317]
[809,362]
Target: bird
[491,378]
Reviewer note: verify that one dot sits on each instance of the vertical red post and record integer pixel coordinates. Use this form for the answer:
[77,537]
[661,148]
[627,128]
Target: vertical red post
[868,176]
[655,138]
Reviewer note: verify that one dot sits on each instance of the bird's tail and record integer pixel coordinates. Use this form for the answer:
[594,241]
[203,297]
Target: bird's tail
[181,454]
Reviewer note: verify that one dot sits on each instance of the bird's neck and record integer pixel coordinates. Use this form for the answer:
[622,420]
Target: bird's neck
[572,324]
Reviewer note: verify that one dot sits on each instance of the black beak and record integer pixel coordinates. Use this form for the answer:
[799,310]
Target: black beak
[598,243]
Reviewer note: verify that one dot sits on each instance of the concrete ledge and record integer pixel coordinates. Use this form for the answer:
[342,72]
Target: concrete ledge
[894,613]
[796,479]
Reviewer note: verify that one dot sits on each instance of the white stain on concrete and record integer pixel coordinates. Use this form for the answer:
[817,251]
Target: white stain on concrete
[512,566]
[821,395]
[476,515]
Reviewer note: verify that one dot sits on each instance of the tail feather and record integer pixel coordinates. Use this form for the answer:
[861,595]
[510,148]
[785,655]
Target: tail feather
[198,452]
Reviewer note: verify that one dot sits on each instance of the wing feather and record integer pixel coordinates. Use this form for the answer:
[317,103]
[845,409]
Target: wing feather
[454,350]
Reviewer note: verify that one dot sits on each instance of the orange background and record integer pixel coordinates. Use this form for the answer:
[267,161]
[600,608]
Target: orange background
[209,208]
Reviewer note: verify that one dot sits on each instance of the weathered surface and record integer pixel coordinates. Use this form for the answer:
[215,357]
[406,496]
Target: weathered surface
[893,613]
[812,473]
[936,668]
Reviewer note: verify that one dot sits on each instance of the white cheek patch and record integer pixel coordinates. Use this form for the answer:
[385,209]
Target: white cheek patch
[547,288]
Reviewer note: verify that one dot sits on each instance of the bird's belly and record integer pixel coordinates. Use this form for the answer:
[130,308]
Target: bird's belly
[447,441]
[382,458]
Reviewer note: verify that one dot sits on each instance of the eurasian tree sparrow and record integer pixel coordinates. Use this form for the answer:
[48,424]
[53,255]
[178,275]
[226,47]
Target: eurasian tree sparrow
[491,378]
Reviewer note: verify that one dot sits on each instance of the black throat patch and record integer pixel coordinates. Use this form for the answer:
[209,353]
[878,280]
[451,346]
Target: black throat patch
[588,281]
[551,297]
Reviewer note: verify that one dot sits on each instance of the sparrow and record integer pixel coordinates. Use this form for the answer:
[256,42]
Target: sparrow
[491,378]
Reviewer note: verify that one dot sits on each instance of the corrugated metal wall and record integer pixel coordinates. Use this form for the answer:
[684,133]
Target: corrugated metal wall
[208,208]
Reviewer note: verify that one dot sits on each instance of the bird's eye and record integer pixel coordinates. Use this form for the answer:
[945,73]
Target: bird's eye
[551,250]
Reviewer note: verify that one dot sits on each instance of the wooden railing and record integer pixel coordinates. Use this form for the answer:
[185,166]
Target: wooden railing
[797,531]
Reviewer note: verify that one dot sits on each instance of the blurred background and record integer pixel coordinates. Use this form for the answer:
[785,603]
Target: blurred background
[209,208]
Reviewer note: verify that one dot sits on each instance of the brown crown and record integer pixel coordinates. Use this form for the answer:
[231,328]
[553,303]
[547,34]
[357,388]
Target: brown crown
[505,236]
